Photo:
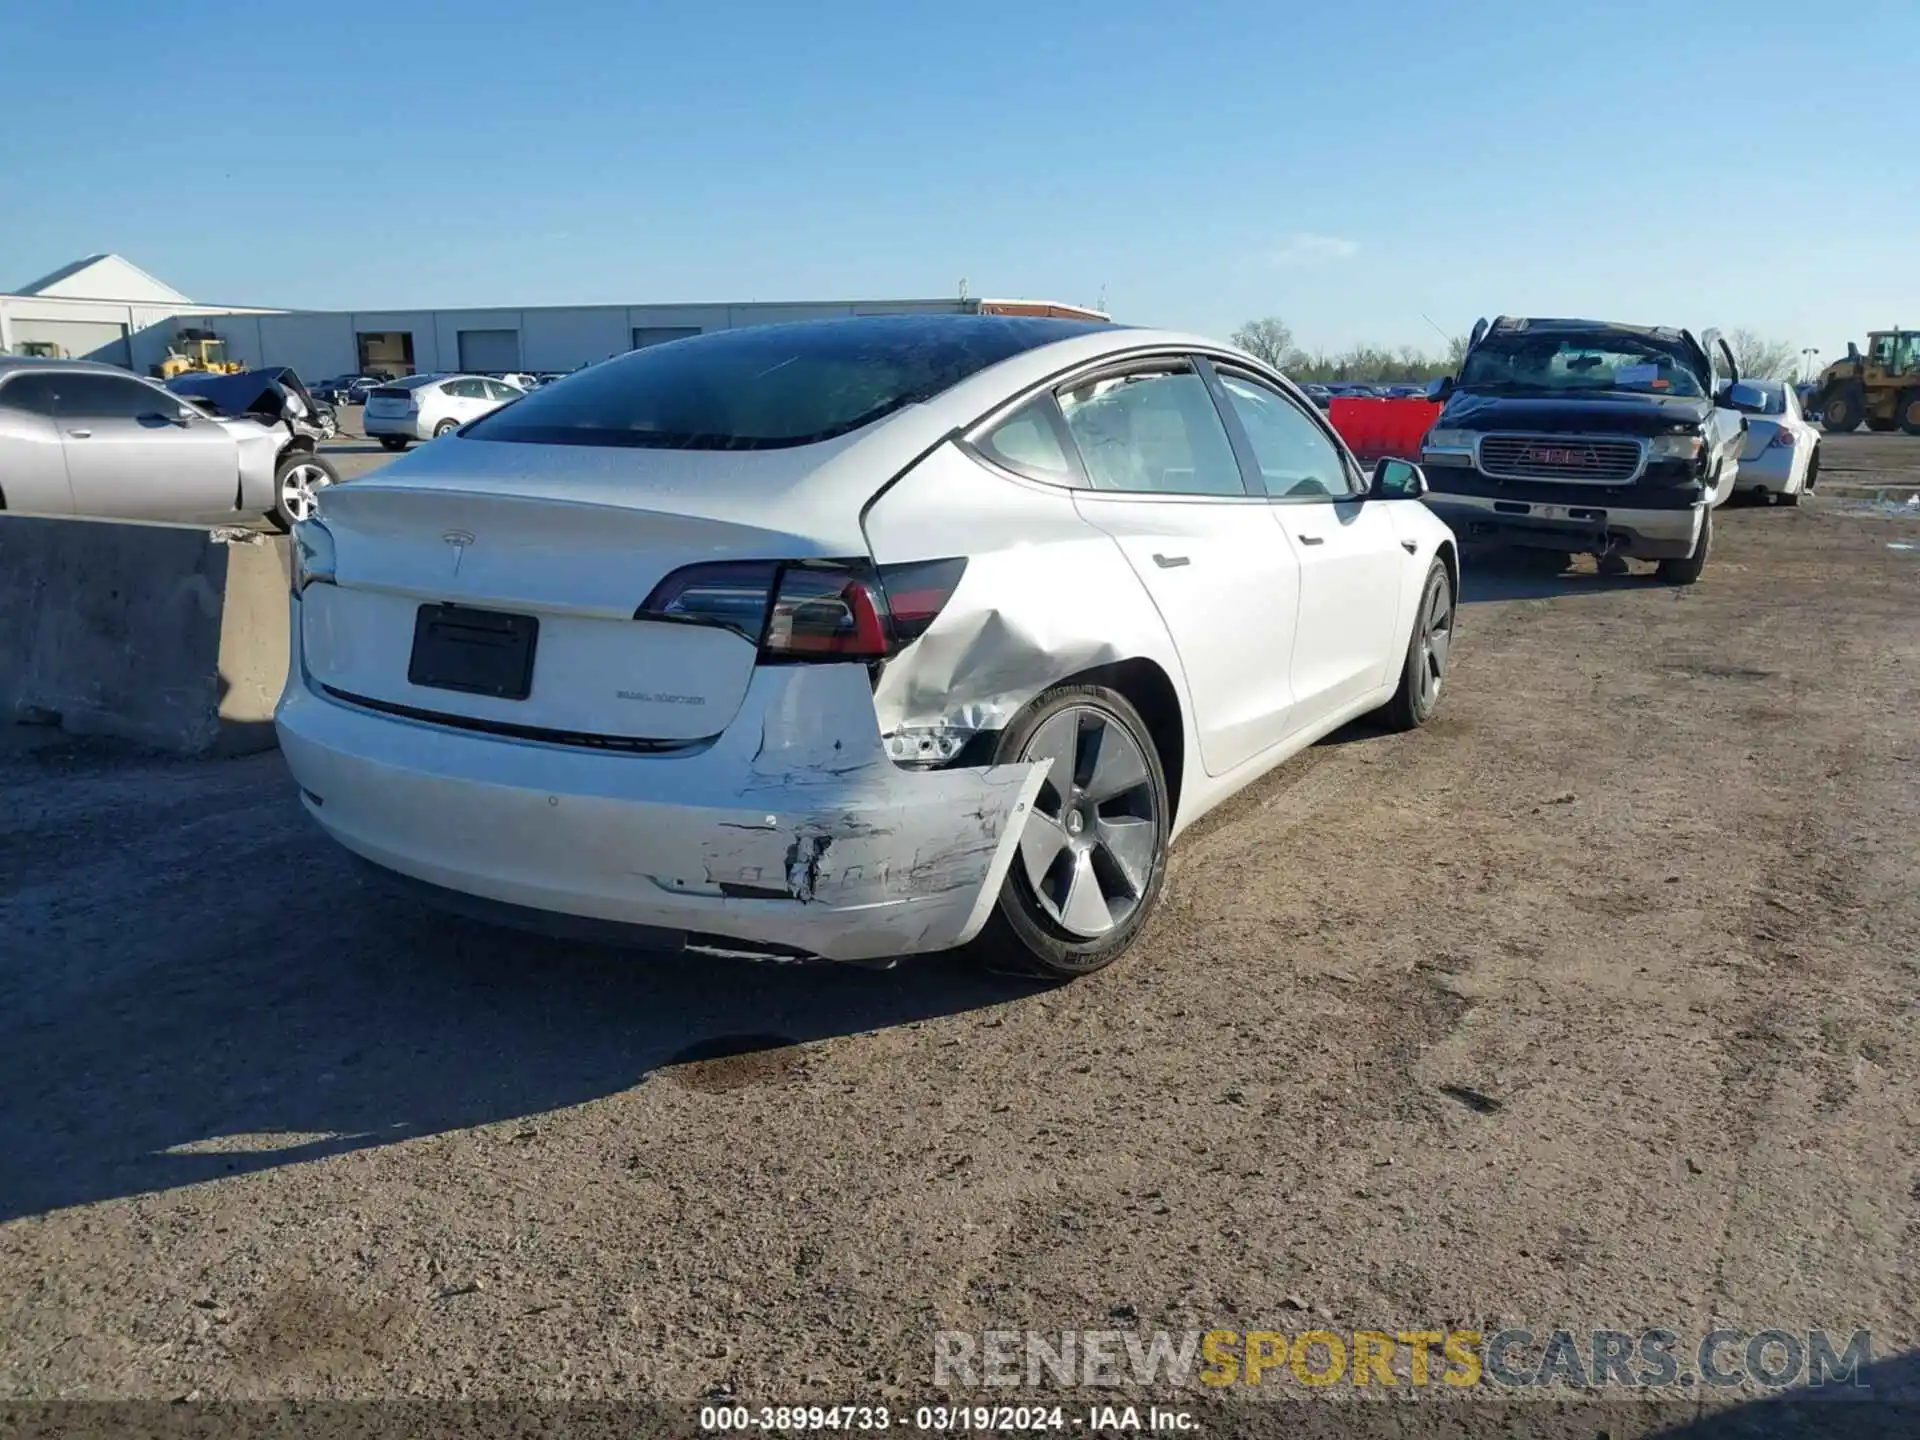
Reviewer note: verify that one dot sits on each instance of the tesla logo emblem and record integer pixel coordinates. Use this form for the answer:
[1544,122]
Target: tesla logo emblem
[459,540]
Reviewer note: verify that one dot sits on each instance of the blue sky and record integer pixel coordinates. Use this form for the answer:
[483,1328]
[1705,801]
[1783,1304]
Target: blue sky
[1347,166]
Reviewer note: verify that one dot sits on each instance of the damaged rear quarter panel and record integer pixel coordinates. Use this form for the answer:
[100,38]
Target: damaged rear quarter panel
[1045,596]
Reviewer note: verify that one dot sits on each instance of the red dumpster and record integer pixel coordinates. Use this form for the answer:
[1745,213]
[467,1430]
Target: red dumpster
[1377,428]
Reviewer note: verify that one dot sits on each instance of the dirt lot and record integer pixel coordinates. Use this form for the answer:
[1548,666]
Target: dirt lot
[1592,1005]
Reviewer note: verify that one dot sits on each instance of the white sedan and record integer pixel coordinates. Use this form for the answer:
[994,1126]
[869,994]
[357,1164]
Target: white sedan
[1782,455]
[852,639]
[425,407]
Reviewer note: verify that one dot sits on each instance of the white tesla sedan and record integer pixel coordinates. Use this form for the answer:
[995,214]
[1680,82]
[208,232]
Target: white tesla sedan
[852,639]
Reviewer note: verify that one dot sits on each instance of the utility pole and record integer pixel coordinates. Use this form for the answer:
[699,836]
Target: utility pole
[1808,354]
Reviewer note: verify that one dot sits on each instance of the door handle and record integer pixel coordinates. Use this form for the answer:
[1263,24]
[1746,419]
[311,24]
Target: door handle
[81,434]
[1313,539]
[1170,562]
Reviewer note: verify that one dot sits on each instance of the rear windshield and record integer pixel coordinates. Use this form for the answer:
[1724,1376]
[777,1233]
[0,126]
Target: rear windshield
[765,387]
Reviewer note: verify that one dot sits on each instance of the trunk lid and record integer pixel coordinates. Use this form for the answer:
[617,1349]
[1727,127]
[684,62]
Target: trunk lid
[1760,434]
[502,532]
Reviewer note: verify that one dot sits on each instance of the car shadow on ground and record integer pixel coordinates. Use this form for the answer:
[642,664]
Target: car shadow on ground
[187,1022]
[1880,1402]
[1501,574]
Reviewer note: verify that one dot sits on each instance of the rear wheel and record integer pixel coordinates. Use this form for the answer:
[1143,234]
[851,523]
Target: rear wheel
[1910,412]
[393,442]
[1685,572]
[1843,410]
[444,426]
[1092,853]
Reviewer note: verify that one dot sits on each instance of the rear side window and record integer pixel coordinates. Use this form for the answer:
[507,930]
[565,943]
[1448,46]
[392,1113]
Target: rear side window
[1027,442]
[1152,431]
[30,394]
[767,386]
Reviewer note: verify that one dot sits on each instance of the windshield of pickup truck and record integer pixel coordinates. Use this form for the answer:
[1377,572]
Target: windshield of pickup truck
[1562,362]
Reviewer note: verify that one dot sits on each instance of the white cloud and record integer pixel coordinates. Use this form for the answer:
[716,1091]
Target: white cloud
[1305,248]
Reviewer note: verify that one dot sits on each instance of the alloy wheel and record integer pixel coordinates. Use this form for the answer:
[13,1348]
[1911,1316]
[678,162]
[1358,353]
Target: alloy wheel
[1090,846]
[1436,638]
[300,489]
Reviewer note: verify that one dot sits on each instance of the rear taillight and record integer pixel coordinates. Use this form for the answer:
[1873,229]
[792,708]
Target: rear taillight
[810,610]
[730,595]
[1782,440]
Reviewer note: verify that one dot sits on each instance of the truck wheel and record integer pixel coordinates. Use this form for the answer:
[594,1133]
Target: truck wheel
[1685,572]
[1843,411]
[1910,412]
[297,484]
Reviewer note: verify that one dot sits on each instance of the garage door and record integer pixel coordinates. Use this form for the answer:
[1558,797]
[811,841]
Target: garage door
[485,350]
[73,340]
[645,335]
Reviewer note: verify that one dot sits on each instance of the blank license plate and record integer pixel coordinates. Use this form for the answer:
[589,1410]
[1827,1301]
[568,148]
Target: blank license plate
[482,652]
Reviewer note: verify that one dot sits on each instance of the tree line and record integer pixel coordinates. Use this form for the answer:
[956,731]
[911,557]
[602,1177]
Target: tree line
[1271,340]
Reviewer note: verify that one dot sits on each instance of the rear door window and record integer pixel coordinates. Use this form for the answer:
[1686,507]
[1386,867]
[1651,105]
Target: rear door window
[1152,430]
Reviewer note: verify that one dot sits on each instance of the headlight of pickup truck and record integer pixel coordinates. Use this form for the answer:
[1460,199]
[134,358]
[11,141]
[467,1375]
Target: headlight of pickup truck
[1675,447]
[1450,439]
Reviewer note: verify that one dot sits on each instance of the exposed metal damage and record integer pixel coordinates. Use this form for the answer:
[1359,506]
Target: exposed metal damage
[974,672]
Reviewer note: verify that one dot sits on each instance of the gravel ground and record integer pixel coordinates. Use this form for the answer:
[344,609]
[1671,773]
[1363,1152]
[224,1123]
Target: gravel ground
[1591,1005]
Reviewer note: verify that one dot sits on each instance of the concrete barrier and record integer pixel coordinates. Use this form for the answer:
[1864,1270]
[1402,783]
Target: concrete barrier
[165,637]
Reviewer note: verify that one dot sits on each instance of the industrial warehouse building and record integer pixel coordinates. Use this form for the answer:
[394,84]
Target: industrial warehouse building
[106,308]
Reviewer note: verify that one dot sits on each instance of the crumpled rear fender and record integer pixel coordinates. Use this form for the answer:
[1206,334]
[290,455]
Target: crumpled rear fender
[1045,597]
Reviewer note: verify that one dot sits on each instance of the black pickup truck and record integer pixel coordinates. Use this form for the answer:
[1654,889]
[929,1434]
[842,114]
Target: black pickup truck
[1585,437]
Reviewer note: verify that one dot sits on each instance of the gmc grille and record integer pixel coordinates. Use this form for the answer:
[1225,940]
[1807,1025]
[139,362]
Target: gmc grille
[1558,457]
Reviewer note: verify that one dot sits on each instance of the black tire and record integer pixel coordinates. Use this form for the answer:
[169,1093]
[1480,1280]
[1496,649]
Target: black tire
[1424,670]
[1025,931]
[1685,572]
[1843,411]
[393,442]
[1882,427]
[315,475]
[1813,472]
[1909,412]
[444,426]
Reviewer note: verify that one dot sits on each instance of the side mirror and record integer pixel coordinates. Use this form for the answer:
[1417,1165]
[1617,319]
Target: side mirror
[1398,480]
[1748,399]
[1440,389]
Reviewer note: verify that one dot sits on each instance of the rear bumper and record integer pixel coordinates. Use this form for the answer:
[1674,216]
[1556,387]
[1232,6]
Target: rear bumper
[407,427]
[791,830]
[1771,471]
[1573,527]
